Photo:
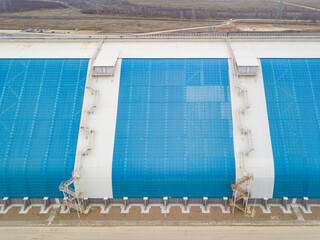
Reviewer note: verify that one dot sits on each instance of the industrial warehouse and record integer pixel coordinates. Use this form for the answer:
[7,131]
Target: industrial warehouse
[227,120]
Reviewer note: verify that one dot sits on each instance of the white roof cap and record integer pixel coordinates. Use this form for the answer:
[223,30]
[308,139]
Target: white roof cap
[246,58]
[107,57]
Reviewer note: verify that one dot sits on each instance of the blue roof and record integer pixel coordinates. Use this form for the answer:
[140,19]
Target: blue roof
[174,129]
[40,110]
[292,89]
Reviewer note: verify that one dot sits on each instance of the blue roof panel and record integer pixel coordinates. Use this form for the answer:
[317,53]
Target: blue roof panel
[40,110]
[174,129]
[292,93]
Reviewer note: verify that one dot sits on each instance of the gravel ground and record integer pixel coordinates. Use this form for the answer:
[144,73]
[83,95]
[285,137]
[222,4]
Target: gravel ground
[32,215]
[175,214]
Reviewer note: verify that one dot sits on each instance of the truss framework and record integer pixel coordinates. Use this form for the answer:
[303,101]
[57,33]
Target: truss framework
[73,200]
[241,194]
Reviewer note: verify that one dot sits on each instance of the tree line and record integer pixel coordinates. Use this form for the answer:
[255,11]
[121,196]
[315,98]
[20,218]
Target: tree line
[8,6]
[129,9]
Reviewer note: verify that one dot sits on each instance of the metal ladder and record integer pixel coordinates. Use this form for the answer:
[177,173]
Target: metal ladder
[241,189]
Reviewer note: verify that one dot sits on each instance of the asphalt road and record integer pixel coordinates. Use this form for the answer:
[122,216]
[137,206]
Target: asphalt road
[162,232]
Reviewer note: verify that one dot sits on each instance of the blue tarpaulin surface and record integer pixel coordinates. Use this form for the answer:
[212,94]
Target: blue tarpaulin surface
[40,110]
[292,89]
[174,129]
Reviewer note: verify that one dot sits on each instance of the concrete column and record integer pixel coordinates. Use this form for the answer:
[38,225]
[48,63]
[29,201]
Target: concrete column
[225,203]
[85,203]
[7,203]
[205,203]
[46,203]
[145,202]
[285,203]
[185,203]
[65,205]
[105,202]
[165,202]
[305,203]
[26,203]
[125,202]
[265,203]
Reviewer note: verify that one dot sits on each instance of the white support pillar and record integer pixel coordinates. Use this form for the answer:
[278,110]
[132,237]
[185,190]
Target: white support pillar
[260,161]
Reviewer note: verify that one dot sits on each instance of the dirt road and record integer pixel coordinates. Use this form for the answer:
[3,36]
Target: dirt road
[186,29]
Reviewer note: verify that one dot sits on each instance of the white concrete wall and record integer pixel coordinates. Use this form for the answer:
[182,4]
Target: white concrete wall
[47,49]
[260,161]
[162,49]
[279,49]
[96,168]
[179,49]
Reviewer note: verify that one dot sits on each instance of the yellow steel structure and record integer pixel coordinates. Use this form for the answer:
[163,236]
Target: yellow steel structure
[72,199]
[241,192]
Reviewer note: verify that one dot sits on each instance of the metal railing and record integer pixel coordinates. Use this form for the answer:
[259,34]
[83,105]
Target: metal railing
[214,35]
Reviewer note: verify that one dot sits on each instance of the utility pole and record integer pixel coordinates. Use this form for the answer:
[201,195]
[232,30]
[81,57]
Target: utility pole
[97,13]
[181,19]
[193,17]
[279,14]
[210,29]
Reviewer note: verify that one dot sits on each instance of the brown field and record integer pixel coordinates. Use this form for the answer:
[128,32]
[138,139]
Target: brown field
[24,5]
[152,15]
[71,18]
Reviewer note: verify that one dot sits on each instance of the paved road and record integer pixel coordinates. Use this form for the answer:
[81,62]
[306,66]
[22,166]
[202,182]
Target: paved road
[163,233]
